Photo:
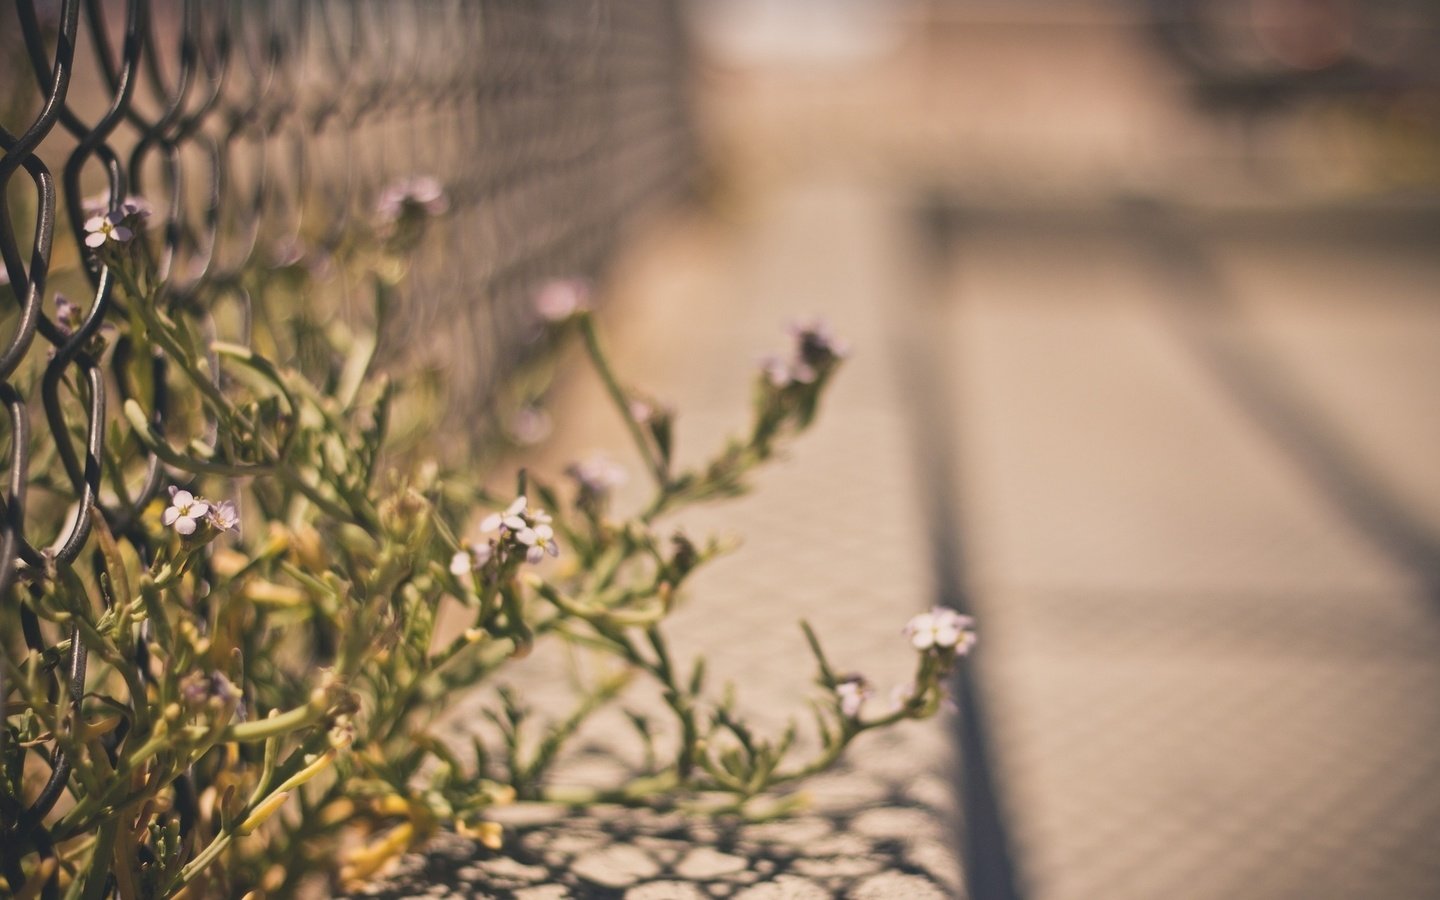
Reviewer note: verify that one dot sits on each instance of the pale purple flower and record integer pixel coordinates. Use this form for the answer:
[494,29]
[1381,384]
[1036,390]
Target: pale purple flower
[597,476]
[562,298]
[68,316]
[942,628]
[520,529]
[224,516]
[538,541]
[531,425]
[109,227]
[852,690]
[512,519]
[185,511]
[416,194]
[134,208]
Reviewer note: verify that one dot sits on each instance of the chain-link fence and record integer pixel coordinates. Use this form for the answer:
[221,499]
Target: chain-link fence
[260,134]
[259,131]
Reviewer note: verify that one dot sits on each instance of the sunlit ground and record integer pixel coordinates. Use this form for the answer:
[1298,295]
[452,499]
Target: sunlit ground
[1161,357]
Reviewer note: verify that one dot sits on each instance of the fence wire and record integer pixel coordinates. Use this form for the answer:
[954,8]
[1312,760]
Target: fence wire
[259,131]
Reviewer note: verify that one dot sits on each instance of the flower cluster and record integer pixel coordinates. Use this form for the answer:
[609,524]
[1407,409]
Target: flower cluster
[114,226]
[852,691]
[942,636]
[187,513]
[789,388]
[816,353]
[518,533]
[942,630]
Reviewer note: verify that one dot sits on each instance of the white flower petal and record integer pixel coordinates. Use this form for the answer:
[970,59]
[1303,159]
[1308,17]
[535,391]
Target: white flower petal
[460,563]
[168,517]
[185,525]
[490,522]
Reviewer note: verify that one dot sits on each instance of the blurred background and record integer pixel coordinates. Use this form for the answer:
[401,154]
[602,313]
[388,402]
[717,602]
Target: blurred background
[1145,298]
[1144,301]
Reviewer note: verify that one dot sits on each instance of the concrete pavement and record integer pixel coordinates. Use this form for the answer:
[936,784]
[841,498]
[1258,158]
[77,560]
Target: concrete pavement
[1163,421]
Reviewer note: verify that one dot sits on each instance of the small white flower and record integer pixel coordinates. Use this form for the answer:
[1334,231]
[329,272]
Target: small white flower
[941,627]
[512,519]
[538,541]
[460,563]
[852,691]
[225,517]
[471,559]
[562,298]
[184,512]
[900,695]
[109,227]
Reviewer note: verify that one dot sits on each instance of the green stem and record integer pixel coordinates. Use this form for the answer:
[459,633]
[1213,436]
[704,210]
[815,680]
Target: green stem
[621,401]
[636,791]
[100,862]
[283,723]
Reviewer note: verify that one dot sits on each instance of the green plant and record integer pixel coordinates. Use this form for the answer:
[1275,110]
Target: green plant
[262,647]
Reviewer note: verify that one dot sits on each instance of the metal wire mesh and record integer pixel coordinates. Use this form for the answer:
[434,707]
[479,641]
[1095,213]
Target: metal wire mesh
[259,131]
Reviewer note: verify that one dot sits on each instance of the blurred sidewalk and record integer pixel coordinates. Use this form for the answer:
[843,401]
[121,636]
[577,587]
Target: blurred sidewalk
[1162,385]
[1150,391]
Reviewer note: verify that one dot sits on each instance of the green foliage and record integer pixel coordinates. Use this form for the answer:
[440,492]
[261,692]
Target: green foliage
[264,654]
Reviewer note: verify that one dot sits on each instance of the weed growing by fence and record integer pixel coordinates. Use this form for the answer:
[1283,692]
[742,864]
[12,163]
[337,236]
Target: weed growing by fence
[236,693]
